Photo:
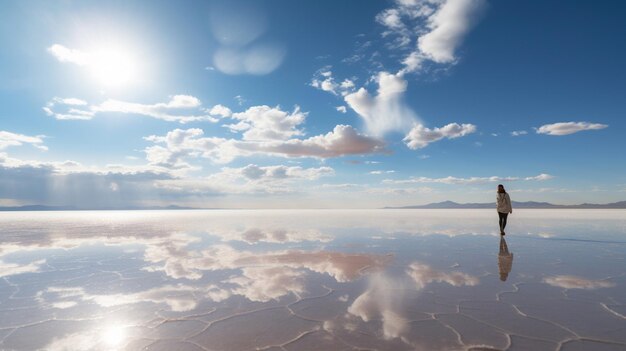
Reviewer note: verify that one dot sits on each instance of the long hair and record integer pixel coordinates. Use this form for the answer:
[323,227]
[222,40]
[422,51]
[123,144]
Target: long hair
[501,189]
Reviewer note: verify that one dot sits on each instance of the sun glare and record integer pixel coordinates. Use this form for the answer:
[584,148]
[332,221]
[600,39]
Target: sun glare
[113,335]
[113,68]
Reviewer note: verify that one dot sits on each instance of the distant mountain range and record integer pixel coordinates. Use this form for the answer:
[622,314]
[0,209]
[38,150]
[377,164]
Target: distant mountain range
[527,204]
[73,208]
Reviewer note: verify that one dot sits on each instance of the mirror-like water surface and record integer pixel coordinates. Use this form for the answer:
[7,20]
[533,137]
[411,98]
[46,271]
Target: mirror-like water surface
[313,280]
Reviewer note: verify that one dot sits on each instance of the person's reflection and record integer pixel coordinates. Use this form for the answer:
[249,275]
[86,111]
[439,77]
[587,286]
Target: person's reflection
[505,260]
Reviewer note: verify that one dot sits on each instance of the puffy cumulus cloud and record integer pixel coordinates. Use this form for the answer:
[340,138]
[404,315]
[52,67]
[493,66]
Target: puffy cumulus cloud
[436,27]
[470,180]
[420,136]
[566,128]
[260,123]
[267,283]
[386,111]
[323,79]
[8,139]
[220,110]
[423,274]
[342,140]
[180,144]
[574,282]
[379,301]
[179,108]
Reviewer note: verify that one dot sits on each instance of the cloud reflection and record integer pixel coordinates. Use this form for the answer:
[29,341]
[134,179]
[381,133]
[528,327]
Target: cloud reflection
[423,274]
[574,282]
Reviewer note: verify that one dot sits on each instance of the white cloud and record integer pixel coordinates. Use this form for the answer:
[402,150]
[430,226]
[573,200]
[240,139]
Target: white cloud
[437,27]
[540,177]
[162,110]
[180,144]
[385,112]
[261,123]
[341,109]
[251,179]
[518,132]
[448,26]
[574,282]
[8,139]
[70,107]
[268,283]
[566,128]
[254,172]
[470,180]
[220,110]
[423,274]
[188,263]
[76,109]
[420,136]
[379,301]
[64,54]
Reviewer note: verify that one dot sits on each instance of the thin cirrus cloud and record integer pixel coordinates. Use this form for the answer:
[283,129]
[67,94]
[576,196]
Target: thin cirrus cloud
[179,108]
[518,132]
[470,180]
[419,137]
[566,128]
[8,139]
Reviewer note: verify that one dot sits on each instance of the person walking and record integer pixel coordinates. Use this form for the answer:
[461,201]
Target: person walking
[503,206]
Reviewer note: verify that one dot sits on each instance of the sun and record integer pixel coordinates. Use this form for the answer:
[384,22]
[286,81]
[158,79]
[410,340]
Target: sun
[113,67]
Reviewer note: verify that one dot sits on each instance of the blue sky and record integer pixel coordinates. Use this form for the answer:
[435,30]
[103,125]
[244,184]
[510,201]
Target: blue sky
[326,104]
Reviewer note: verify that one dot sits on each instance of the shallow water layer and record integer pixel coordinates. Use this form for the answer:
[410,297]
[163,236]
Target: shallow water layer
[313,280]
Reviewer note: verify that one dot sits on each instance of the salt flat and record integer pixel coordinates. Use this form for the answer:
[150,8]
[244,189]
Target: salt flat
[312,279]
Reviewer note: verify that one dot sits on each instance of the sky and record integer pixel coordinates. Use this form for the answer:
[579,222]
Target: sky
[311,104]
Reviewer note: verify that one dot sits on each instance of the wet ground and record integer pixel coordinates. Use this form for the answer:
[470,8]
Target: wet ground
[313,280]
